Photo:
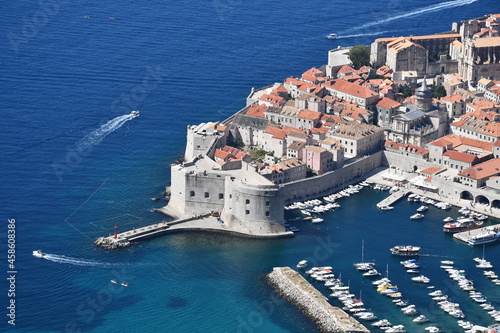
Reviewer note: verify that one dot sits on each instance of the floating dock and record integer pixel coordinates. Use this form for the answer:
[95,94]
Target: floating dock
[295,289]
[466,235]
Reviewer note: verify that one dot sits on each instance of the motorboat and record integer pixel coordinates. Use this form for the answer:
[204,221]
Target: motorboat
[436,293]
[417,216]
[302,264]
[447,262]
[113,281]
[412,271]
[371,272]
[432,329]
[396,329]
[405,250]
[368,316]
[448,219]
[382,323]
[134,114]
[38,254]
[422,209]
[385,207]
[332,36]
[421,279]
[317,220]
[421,319]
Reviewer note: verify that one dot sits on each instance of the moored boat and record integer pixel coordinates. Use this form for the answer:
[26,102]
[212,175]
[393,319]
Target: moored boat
[462,225]
[417,216]
[302,264]
[484,238]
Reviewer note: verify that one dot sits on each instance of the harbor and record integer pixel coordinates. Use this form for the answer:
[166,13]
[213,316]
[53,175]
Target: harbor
[467,236]
[298,291]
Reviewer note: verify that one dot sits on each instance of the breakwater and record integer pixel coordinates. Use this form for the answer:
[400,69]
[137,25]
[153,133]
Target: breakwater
[294,288]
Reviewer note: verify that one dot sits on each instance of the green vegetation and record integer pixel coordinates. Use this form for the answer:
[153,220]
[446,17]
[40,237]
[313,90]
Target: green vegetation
[257,153]
[438,91]
[405,91]
[360,56]
[436,56]
[239,144]
[310,172]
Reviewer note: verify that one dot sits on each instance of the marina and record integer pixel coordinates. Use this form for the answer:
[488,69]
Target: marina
[467,236]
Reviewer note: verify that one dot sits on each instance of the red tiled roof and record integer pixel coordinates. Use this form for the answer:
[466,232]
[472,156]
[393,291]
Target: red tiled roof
[388,103]
[221,154]
[351,89]
[308,114]
[483,170]
[257,110]
[431,170]
[407,147]
[459,156]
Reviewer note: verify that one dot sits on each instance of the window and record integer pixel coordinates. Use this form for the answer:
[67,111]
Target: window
[267,213]
[191,193]
[207,195]
[267,203]
[221,196]
[247,212]
[247,201]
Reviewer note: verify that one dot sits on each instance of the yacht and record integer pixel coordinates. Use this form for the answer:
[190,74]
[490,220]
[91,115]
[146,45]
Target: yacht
[385,207]
[38,254]
[448,219]
[396,329]
[371,272]
[417,216]
[317,220]
[382,323]
[462,225]
[421,279]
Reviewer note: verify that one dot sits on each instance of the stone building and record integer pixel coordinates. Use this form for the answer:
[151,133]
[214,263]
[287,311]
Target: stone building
[358,139]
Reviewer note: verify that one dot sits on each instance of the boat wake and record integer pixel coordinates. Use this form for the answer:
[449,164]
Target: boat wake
[96,136]
[428,9]
[363,35]
[78,262]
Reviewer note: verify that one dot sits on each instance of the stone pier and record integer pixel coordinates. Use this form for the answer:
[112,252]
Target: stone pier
[295,289]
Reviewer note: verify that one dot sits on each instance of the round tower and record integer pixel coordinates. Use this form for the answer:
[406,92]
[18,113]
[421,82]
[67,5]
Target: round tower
[423,97]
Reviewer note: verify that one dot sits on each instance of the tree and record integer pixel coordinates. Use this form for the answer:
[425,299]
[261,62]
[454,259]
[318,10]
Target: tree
[360,56]
[438,91]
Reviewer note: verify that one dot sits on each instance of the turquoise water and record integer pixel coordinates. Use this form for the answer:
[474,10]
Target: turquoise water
[64,76]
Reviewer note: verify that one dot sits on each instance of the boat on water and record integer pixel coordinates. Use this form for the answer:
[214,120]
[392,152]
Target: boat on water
[332,36]
[448,219]
[396,329]
[364,266]
[302,264]
[124,284]
[422,209]
[421,319]
[489,236]
[405,250]
[417,216]
[462,225]
[38,254]
[421,279]
[385,207]
[113,281]
[134,114]
[317,220]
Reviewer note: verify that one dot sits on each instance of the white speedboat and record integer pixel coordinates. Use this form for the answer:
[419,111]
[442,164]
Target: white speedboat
[421,279]
[382,323]
[448,219]
[484,238]
[371,272]
[134,114]
[38,254]
[422,209]
[317,220]
[432,329]
[385,207]
[396,329]
[417,216]
[421,319]
[302,264]
[332,36]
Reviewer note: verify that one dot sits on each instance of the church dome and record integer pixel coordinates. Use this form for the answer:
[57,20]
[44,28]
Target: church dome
[424,91]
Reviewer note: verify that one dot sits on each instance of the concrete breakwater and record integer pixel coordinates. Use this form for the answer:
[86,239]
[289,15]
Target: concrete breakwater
[294,288]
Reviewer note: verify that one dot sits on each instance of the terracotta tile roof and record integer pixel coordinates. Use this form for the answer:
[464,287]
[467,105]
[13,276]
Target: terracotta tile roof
[320,130]
[308,114]
[459,156]
[482,170]
[486,42]
[457,44]
[275,131]
[388,103]
[346,69]
[492,129]
[223,155]
[221,128]
[402,43]
[496,143]
[407,147]
[431,170]
[316,149]
[351,89]
[453,98]
[457,140]
[273,99]
[482,105]
[313,75]
[257,110]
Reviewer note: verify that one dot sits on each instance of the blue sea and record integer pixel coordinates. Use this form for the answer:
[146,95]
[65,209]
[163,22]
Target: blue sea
[74,164]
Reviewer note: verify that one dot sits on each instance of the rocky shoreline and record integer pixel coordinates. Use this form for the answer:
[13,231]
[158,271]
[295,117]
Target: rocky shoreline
[295,289]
